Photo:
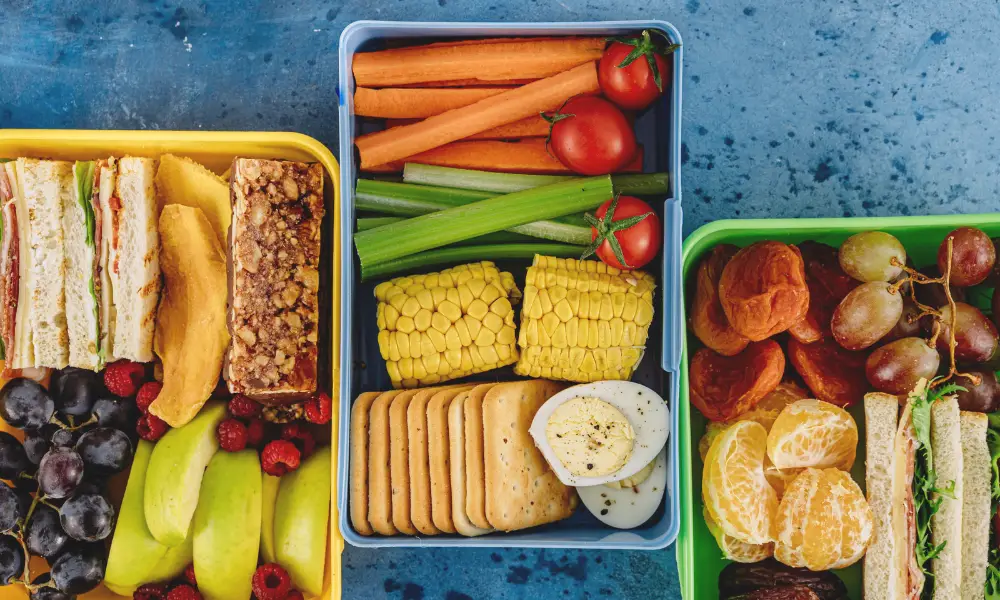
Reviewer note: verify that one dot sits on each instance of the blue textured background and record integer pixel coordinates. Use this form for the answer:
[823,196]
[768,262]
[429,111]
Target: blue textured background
[792,108]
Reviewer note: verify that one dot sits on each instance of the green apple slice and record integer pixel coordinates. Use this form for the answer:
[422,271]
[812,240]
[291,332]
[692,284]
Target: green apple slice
[301,522]
[270,487]
[175,471]
[134,551]
[174,561]
[227,526]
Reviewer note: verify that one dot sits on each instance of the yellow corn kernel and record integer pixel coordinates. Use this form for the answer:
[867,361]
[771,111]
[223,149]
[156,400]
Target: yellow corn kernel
[530,332]
[452,295]
[393,369]
[617,304]
[431,379]
[505,353]
[485,337]
[544,339]
[549,322]
[396,301]
[606,313]
[427,347]
[467,364]
[603,334]
[603,282]
[490,293]
[477,309]
[419,370]
[381,289]
[556,294]
[644,313]
[440,322]
[559,336]
[536,311]
[576,356]
[465,334]
[425,299]
[509,319]
[454,357]
[391,316]
[476,286]
[588,364]
[550,279]
[452,340]
[383,344]
[489,354]
[403,343]
[530,294]
[562,277]
[563,310]
[595,306]
[438,295]
[631,304]
[415,350]
[450,310]
[592,335]
[437,340]
[584,311]
[445,367]
[505,335]
[492,322]
[380,316]
[617,326]
[601,359]
[445,280]
[463,277]
[476,357]
[572,332]
[545,358]
[544,301]
[410,307]
[465,297]
[404,324]
[628,334]
[501,306]
[406,367]
[393,347]
[422,320]
[614,355]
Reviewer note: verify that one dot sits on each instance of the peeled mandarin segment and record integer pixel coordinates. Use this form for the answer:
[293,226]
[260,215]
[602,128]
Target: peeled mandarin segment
[734,489]
[813,433]
[823,521]
[735,550]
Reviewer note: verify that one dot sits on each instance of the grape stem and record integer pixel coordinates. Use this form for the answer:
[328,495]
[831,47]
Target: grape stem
[914,277]
[26,573]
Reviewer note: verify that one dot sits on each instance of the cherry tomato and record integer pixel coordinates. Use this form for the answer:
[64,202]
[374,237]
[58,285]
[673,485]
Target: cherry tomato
[633,226]
[591,136]
[627,75]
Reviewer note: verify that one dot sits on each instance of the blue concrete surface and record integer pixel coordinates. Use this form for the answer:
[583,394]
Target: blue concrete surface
[792,108]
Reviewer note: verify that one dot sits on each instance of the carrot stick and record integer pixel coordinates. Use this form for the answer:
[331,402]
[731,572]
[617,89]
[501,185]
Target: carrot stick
[466,83]
[525,156]
[418,103]
[525,128]
[512,105]
[489,61]
[471,42]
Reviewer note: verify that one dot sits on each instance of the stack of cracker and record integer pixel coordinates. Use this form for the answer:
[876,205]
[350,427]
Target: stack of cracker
[453,459]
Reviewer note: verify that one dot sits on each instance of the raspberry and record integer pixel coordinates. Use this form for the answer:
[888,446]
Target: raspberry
[183,592]
[271,582]
[150,591]
[300,436]
[189,575]
[147,394]
[243,407]
[123,378]
[279,457]
[255,433]
[232,435]
[319,410]
[151,427]
[294,595]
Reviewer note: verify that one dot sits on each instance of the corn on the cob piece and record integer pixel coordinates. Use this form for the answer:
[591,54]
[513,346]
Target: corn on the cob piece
[582,320]
[446,325]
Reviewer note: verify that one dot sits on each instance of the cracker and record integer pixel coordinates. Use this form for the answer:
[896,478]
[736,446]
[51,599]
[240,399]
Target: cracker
[475,492]
[438,459]
[359,462]
[398,462]
[456,451]
[420,482]
[379,485]
[521,489]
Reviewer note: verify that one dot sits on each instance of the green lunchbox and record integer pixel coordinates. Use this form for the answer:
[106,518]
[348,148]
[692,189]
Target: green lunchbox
[699,560]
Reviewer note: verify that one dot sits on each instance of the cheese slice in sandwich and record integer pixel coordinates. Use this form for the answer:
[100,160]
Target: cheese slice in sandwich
[130,256]
[82,239]
[44,188]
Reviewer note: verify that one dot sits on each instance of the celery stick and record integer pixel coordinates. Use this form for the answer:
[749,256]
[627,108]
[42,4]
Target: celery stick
[642,184]
[408,200]
[463,254]
[501,183]
[451,225]
[499,237]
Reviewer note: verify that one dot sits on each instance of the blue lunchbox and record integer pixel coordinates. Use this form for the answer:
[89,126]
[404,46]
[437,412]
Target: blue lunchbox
[361,365]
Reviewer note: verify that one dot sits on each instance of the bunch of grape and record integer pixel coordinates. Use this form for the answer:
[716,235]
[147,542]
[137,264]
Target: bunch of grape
[52,502]
[908,316]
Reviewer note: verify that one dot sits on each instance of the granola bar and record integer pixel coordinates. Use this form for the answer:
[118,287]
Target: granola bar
[274,253]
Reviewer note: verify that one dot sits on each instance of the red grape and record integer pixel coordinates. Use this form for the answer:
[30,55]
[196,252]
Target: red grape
[975,335]
[972,258]
[897,367]
[865,315]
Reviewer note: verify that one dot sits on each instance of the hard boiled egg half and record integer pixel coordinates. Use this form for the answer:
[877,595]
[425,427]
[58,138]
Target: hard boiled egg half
[601,432]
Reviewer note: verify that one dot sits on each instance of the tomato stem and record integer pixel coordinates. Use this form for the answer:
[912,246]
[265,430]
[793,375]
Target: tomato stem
[645,46]
[606,229]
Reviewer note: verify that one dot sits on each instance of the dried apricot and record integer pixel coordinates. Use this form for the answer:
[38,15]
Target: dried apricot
[708,320]
[724,387]
[763,289]
[823,521]
[733,487]
[813,433]
[834,375]
[828,284]
[732,548]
